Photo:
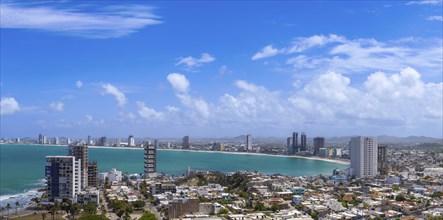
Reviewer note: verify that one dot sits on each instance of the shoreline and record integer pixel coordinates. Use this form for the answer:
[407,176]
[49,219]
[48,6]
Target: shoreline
[331,160]
[261,154]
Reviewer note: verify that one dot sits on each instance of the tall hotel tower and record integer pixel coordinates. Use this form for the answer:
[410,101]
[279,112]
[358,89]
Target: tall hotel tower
[63,176]
[364,153]
[249,143]
[294,142]
[80,152]
[151,159]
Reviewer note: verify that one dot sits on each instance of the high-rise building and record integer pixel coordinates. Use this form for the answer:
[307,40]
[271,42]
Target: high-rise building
[248,142]
[289,146]
[118,142]
[150,163]
[131,141]
[294,142]
[89,140]
[93,174]
[364,154]
[102,141]
[56,141]
[303,141]
[80,152]
[42,139]
[63,177]
[319,142]
[382,161]
[68,141]
[186,142]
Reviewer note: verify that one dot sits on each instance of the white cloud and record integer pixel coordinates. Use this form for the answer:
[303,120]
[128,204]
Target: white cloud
[424,2]
[8,106]
[299,44]
[149,113]
[181,87]
[179,82]
[382,103]
[336,53]
[57,106]
[104,22]
[401,98]
[267,51]
[78,84]
[89,118]
[435,18]
[192,62]
[112,90]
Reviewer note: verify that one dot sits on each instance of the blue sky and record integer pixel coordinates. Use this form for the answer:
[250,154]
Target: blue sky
[224,68]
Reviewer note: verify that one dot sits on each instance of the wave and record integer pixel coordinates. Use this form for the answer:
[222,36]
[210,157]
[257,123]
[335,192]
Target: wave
[23,198]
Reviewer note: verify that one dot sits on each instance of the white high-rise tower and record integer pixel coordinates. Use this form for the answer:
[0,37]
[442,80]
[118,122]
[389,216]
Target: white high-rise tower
[363,152]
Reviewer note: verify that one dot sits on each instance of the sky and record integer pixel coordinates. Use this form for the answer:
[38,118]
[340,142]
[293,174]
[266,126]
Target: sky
[221,68]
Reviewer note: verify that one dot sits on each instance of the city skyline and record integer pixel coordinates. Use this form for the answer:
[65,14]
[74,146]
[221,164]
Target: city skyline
[223,69]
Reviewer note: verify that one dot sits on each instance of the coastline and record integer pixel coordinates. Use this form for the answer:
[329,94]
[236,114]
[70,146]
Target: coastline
[331,160]
[266,155]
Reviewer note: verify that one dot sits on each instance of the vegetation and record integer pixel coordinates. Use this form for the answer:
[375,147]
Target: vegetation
[139,204]
[436,194]
[147,216]
[400,198]
[122,208]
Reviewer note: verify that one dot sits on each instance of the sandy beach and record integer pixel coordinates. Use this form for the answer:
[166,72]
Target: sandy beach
[227,152]
[266,155]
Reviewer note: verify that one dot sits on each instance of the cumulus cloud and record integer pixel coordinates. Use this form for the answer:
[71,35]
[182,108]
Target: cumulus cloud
[191,62]
[401,98]
[435,18]
[180,84]
[118,95]
[57,106]
[9,106]
[382,101]
[78,84]
[149,113]
[105,22]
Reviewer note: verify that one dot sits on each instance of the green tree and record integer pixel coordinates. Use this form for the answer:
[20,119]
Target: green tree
[147,216]
[8,206]
[139,204]
[274,208]
[314,214]
[43,215]
[400,197]
[74,210]
[223,211]
[436,194]
[17,204]
[259,206]
[90,208]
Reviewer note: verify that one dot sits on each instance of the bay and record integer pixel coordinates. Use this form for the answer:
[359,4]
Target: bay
[22,166]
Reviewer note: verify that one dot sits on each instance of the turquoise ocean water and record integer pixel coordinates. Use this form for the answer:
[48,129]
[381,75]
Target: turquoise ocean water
[22,166]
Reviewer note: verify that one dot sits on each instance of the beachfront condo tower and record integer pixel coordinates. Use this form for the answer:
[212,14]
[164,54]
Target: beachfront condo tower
[63,177]
[364,153]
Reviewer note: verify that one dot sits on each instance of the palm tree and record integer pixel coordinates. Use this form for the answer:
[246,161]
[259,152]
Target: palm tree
[75,208]
[8,206]
[17,204]
[43,215]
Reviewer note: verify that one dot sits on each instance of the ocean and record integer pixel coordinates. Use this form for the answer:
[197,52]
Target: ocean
[22,166]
